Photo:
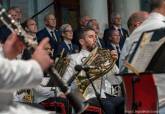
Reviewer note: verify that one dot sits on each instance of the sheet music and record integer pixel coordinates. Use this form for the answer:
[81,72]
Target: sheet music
[145,52]
[144,56]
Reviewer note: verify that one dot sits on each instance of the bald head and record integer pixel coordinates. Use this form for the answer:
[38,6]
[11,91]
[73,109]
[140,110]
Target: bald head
[136,19]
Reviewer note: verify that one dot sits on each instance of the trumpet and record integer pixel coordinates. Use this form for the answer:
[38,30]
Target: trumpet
[78,105]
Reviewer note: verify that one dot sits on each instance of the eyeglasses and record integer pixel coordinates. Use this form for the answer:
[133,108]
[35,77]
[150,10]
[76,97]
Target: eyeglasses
[68,31]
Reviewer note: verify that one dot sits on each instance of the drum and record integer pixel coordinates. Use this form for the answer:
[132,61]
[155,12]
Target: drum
[140,94]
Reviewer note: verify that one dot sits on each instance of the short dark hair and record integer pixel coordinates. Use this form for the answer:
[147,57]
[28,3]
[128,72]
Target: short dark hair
[110,32]
[82,32]
[156,4]
[136,16]
[24,24]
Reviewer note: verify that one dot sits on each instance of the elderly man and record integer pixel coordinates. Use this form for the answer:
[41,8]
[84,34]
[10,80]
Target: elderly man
[50,31]
[116,25]
[66,44]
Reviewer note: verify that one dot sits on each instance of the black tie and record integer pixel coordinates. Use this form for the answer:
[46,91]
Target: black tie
[53,36]
[118,49]
[121,33]
[70,47]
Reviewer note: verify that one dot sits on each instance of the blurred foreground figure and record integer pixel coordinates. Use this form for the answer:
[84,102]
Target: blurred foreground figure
[17,74]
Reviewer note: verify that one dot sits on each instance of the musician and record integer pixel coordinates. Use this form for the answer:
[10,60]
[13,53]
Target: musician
[95,26]
[87,39]
[30,26]
[154,21]
[16,74]
[135,20]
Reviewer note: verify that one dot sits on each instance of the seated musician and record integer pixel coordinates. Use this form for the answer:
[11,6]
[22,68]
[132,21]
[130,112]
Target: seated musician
[111,104]
[39,93]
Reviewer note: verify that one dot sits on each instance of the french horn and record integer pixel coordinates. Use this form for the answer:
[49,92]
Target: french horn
[103,62]
[61,63]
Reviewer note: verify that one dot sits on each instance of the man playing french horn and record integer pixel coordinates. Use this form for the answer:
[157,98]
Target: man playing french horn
[103,85]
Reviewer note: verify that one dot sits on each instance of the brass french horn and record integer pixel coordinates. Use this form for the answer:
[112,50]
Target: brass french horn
[103,62]
[61,63]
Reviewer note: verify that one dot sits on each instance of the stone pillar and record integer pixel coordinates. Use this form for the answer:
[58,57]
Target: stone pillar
[125,8]
[96,9]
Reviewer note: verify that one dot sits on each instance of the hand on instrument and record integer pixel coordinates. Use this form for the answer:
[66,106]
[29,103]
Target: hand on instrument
[114,54]
[13,46]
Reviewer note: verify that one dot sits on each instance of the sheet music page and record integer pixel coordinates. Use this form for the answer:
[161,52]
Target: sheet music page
[144,54]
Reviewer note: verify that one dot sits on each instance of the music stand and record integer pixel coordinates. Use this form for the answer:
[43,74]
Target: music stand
[148,52]
[98,96]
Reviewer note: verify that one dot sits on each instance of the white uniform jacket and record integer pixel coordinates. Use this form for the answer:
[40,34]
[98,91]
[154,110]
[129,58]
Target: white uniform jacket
[14,75]
[107,80]
[154,21]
